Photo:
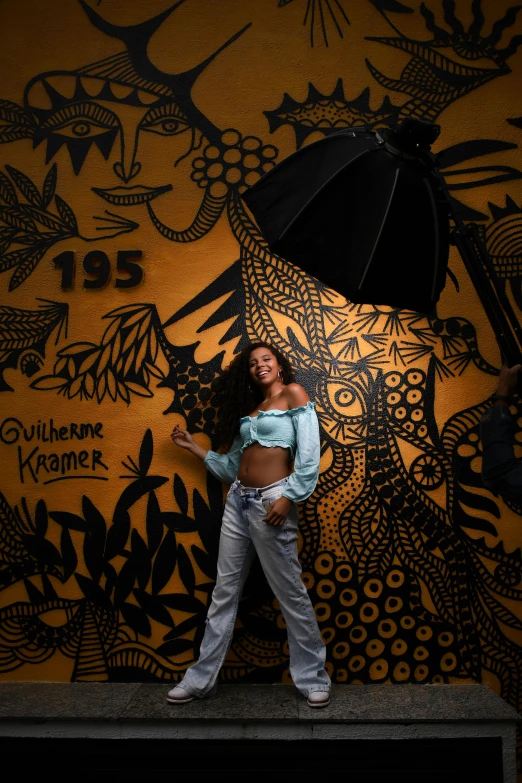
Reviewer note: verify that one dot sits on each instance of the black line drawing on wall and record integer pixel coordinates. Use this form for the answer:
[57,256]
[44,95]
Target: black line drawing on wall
[24,334]
[103,632]
[322,17]
[381,524]
[31,227]
[70,109]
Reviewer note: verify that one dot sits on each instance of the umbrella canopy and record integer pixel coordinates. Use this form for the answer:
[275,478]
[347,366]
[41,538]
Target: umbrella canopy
[366,214]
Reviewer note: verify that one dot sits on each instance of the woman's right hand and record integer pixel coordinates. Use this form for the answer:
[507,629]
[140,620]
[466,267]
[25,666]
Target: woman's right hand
[182,438]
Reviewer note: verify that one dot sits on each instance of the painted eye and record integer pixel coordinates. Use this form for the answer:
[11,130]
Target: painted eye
[81,129]
[345,399]
[80,121]
[166,126]
[166,120]
[78,126]
[341,395]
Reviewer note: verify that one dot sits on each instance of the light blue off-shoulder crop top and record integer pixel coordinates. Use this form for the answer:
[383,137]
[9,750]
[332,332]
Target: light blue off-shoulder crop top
[296,429]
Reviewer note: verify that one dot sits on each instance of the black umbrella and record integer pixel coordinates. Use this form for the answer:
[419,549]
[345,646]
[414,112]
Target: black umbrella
[369,215]
[362,212]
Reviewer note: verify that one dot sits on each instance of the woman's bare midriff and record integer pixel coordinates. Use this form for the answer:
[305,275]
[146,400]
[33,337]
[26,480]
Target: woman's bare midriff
[262,465]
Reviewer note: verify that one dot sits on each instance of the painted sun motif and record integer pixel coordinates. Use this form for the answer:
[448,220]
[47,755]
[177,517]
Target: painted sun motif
[433,78]
[321,17]
[472,44]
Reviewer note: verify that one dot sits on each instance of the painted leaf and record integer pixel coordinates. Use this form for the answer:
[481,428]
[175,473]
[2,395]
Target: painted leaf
[101,388]
[180,628]
[69,521]
[49,185]
[40,518]
[10,110]
[137,489]
[47,382]
[118,533]
[153,523]
[88,362]
[75,387]
[33,593]
[186,571]
[180,494]
[141,353]
[15,257]
[7,191]
[69,557]
[164,562]
[146,452]
[66,214]
[48,588]
[136,317]
[26,267]
[104,359]
[15,217]
[75,348]
[93,592]
[206,563]
[141,558]
[25,186]
[93,556]
[111,577]
[42,550]
[7,232]
[178,522]
[154,370]
[183,602]
[15,132]
[154,607]
[136,618]
[45,219]
[122,392]
[138,389]
[175,647]
[125,582]
[111,383]
[110,331]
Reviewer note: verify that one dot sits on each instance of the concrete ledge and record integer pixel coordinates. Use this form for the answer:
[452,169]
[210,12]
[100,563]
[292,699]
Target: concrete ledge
[258,712]
[253,704]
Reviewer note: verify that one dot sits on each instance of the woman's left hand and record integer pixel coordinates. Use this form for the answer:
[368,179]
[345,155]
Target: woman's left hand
[278,511]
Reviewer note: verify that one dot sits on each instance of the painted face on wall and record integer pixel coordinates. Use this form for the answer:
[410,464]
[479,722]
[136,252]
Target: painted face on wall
[121,137]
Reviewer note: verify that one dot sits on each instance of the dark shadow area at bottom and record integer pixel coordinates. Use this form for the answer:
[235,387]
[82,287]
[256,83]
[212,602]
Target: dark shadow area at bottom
[354,761]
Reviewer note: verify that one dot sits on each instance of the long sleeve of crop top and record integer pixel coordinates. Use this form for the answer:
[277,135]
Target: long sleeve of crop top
[302,482]
[225,466]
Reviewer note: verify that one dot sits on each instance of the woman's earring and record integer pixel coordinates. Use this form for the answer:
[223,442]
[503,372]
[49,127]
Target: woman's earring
[280,376]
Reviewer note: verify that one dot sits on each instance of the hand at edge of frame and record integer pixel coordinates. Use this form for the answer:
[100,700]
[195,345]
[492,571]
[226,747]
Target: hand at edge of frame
[508,380]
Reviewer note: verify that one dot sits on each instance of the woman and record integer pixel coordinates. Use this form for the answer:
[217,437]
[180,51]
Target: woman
[269,426]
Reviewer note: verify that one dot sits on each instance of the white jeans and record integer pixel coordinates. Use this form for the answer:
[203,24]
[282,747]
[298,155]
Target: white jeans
[243,533]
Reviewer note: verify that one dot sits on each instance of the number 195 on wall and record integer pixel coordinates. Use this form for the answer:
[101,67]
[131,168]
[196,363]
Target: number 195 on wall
[97,269]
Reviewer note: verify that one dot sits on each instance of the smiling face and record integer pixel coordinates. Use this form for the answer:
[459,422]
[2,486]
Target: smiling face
[263,367]
[122,142]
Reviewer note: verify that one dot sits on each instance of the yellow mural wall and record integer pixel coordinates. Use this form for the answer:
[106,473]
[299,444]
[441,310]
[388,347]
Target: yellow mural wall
[132,271]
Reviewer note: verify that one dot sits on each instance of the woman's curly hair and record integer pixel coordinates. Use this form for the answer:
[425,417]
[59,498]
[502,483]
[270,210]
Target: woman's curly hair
[235,395]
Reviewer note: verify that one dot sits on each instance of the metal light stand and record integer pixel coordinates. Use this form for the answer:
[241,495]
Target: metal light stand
[466,237]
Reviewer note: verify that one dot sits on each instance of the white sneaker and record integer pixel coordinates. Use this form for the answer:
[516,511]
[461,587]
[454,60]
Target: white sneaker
[318,699]
[179,695]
